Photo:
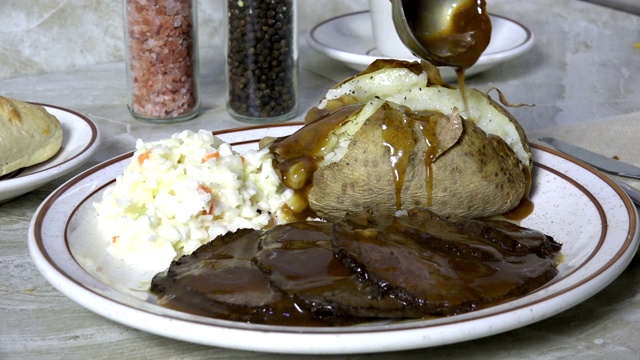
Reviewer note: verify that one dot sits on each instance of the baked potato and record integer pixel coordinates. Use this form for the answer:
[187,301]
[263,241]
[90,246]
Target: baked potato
[397,137]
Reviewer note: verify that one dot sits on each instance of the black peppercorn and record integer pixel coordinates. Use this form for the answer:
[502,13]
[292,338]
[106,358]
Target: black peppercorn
[261,59]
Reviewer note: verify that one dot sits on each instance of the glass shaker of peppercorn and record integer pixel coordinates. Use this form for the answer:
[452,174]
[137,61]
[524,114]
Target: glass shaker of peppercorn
[262,60]
[161,47]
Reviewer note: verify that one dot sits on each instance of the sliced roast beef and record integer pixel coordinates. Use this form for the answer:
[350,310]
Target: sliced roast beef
[299,260]
[220,280]
[326,274]
[447,266]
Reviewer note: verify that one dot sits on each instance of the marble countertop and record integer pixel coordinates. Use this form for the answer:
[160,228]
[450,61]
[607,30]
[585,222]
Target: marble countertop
[584,67]
[631,6]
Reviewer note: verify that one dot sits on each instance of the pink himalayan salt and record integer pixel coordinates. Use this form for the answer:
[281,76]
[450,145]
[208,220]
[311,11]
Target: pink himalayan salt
[162,50]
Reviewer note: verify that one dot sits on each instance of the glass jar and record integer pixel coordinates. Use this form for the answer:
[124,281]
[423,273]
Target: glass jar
[261,60]
[161,45]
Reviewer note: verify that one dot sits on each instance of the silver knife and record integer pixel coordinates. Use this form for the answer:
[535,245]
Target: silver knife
[634,194]
[602,163]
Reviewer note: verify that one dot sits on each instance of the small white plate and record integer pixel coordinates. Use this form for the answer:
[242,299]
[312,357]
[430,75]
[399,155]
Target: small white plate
[574,203]
[80,140]
[349,39]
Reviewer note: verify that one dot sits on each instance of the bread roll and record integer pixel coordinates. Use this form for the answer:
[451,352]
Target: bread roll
[28,135]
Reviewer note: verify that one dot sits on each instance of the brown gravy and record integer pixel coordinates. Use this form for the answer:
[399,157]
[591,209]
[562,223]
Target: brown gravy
[525,207]
[299,153]
[358,270]
[461,44]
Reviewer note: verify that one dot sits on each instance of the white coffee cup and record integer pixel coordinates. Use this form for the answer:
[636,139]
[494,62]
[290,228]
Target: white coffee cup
[386,37]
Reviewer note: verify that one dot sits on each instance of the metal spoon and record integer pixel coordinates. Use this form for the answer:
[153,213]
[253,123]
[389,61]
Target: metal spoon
[443,32]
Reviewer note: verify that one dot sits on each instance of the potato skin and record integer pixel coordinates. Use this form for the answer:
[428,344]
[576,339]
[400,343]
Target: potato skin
[454,167]
[521,134]
[474,176]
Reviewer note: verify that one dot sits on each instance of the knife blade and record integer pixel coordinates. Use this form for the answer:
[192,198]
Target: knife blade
[634,194]
[596,160]
[602,163]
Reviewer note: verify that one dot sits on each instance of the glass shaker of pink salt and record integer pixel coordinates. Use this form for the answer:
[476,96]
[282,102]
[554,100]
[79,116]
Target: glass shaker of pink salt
[161,47]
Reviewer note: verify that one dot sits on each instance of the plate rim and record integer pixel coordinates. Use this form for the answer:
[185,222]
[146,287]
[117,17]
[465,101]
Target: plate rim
[269,333]
[21,184]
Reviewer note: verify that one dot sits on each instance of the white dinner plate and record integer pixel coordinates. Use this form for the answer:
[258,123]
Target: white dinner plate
[349,39]
[574,203]
[80,140]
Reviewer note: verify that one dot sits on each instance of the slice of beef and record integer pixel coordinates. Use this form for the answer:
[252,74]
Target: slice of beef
[506,235]
[299,260]
[445,266]
[220,280]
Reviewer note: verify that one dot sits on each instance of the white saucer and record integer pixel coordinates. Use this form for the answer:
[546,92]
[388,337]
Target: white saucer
[349,39]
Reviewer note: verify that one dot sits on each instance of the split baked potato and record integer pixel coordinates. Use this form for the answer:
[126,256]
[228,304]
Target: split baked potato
[397,137]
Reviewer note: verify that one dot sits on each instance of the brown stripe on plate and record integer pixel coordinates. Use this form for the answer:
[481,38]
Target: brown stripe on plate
[51,199]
